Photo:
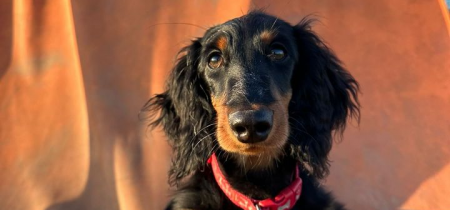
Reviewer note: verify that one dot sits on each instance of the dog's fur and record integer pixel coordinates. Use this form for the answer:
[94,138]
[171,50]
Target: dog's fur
[254,62]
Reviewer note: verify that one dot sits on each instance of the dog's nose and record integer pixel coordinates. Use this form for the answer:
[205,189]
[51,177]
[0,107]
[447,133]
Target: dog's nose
[251,126]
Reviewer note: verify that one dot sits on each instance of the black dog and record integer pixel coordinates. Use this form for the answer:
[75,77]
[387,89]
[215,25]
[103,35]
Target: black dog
[259,99]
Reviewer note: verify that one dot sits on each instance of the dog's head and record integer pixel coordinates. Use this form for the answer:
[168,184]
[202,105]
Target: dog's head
[258,89]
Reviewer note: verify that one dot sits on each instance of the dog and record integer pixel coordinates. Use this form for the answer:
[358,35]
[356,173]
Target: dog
[250,110]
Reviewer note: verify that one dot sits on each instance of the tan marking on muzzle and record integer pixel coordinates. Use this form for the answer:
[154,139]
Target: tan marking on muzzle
[259,155]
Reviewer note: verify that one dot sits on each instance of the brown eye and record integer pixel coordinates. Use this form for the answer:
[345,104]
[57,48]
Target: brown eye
[215,61]
[277,52]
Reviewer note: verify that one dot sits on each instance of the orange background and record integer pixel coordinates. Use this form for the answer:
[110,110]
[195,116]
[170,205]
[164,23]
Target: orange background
[74,75]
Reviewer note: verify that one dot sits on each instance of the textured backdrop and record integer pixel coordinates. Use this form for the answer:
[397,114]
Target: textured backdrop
[74,75]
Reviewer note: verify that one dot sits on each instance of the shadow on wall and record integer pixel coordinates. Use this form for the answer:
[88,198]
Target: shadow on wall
[6,36]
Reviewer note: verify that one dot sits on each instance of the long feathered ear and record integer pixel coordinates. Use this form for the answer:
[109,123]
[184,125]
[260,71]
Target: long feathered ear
[186,115]
[324,96]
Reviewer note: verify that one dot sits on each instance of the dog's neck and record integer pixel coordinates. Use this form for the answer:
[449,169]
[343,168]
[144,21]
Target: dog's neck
[257,183]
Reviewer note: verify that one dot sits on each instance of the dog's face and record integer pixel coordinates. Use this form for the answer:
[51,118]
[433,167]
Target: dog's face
[248,64]
[259,89]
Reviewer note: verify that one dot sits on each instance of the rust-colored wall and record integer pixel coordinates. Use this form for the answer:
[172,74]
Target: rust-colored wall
[74,74]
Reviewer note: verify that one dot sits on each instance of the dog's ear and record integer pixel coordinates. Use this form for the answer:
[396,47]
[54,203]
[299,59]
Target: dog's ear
[185,113]
[324,95]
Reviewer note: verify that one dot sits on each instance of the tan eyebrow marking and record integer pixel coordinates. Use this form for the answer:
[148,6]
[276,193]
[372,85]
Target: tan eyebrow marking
[222,43]
[267,37]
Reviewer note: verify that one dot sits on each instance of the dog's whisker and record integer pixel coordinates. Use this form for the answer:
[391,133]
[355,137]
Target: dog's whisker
[271,27]
[299,129]
[198,142]
[212,124]
[193,148]
[174,23]
[243,162]
[215,147]
[304,131]
[197,133]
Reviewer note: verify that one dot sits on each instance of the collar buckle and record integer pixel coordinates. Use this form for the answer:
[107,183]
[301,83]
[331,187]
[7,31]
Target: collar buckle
[257,207]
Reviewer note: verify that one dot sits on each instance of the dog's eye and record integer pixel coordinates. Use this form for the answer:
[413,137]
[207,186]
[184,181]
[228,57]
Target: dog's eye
[277,52]
[215,61]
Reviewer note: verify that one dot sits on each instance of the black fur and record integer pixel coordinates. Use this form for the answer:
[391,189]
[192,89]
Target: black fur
[324,94]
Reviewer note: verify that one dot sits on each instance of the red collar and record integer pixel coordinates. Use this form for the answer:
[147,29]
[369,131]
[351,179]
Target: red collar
[283,201]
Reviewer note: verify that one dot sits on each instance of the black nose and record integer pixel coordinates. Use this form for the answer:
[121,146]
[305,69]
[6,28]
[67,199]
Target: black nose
[251,126]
